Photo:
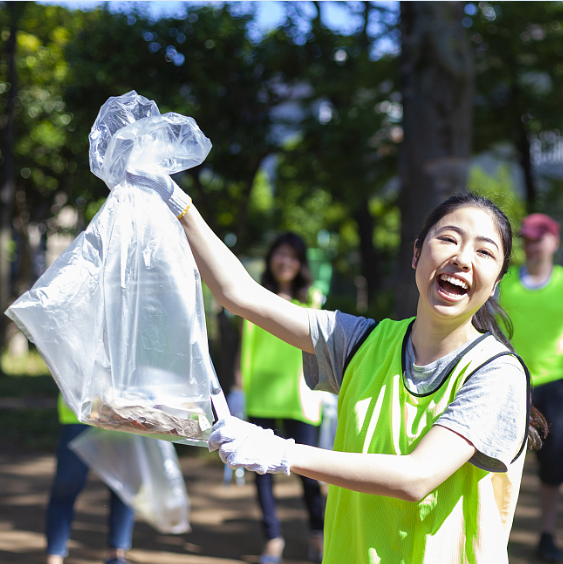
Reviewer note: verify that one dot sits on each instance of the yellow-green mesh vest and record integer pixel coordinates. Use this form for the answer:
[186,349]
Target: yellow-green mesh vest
[467,519]
[537,317]
[66,415]
[272,376]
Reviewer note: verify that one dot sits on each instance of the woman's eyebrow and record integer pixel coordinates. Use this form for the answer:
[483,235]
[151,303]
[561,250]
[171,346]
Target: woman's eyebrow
[462,232]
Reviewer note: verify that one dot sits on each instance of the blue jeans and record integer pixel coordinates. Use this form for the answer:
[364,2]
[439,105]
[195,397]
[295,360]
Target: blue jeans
[70,480]
[305,434]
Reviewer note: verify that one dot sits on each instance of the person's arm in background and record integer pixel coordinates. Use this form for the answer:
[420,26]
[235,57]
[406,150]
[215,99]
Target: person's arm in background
[223,273]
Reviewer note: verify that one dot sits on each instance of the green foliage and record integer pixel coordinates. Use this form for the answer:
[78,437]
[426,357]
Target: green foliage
[499,188]
[518,74]
[387,232]
[43,124]
[334,163]
[519,69]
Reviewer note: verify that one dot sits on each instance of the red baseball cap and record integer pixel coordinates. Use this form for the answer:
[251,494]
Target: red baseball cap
[536,225]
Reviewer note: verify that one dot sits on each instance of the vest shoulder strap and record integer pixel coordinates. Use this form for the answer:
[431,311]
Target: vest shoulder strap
[528,392]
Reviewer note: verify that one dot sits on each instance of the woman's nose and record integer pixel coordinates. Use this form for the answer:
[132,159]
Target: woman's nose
[462,258]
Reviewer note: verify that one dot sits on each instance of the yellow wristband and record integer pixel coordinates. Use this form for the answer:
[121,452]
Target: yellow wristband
[186,210]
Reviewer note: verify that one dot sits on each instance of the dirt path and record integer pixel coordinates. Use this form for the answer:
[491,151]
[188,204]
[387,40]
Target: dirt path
[225,526]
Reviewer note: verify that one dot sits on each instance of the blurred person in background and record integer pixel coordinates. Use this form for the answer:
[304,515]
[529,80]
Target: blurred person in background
[270,375]
[532,295]
[70,480]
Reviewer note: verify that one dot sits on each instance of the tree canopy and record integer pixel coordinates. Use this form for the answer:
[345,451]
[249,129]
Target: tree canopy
[306,122]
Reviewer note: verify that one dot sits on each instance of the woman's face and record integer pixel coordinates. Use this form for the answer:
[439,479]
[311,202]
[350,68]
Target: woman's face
[459,263]
[284,264]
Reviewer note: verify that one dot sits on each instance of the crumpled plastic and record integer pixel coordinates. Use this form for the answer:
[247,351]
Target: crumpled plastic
[119,316]
[130,132]
[145,473]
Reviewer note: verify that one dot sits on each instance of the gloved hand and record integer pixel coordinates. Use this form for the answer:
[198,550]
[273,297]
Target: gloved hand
[243,444]
[157,179]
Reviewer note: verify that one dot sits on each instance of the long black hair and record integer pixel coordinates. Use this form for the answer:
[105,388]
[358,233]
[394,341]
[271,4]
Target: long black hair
[486,318]
[302,282]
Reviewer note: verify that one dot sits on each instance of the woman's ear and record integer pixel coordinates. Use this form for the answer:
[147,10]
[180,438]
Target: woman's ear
[416,254]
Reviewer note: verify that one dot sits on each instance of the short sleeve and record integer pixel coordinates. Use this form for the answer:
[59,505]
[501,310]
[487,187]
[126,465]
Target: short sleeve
[490,411]
[335,336]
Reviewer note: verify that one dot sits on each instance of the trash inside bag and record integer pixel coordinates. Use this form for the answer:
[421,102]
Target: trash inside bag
[119,316]
[144,473]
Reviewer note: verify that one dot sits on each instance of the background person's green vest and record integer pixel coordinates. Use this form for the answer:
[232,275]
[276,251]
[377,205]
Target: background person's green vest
[272,376]
[66,415]
[537,317]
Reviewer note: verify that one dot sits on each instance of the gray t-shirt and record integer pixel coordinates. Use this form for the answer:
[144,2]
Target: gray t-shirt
[489,410]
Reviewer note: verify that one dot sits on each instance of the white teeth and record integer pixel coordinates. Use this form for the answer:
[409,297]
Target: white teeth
[454,281]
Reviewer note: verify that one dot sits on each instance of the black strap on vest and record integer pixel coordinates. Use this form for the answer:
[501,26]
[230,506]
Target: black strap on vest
[357,346]
[447,371]
[528,393]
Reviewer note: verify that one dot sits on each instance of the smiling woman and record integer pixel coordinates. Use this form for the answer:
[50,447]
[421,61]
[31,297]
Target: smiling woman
[433,412]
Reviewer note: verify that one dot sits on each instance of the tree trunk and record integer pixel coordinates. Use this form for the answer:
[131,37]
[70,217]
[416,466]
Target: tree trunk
[436,74]
[370,258]
[523,148]
[8,188]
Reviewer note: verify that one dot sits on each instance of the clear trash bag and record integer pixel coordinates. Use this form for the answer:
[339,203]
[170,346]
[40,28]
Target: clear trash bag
[119,316]
[144,473]
[129,132]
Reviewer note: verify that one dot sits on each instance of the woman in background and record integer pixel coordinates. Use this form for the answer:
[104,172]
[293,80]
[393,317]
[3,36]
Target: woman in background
[277,397]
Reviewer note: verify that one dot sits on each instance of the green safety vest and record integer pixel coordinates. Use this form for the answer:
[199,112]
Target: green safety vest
[537,317]
[66,415]
[272,377]
[466,519]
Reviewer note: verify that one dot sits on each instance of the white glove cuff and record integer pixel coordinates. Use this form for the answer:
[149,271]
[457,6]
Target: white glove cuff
[157,179]
[284,463]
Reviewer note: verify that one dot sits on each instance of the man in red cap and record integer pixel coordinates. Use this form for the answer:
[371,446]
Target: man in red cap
[533,297]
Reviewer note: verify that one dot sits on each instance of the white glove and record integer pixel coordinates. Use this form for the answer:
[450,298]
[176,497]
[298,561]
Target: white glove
[243,444]
[157,179]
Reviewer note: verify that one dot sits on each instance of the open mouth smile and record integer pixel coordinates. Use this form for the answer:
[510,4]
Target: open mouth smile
[452,286]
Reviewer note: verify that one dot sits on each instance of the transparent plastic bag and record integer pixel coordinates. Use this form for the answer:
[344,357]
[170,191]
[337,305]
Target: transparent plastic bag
[144,473]
[119,316]
[129,132]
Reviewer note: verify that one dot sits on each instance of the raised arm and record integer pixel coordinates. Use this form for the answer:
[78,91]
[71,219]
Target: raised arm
[223,273]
